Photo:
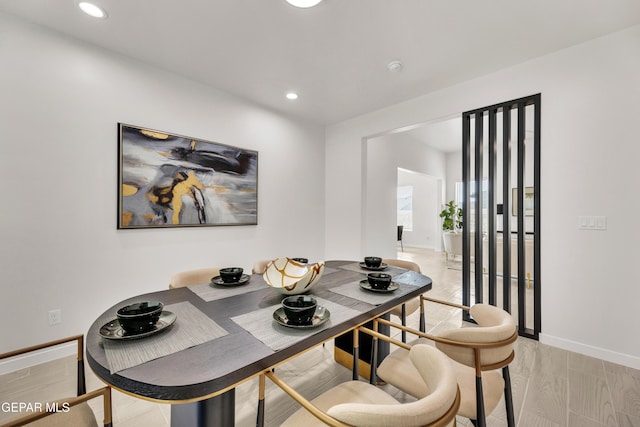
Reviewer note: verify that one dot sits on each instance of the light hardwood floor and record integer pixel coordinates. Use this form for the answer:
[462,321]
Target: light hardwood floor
[551,387]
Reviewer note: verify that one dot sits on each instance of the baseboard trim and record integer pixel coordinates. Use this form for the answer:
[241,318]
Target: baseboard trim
[417,246]
[588,350]
[37,357]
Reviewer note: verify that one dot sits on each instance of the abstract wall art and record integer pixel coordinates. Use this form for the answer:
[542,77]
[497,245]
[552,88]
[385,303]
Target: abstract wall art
[168,180]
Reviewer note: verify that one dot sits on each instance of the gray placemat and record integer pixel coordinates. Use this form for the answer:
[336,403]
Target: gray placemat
[329,270]
[409,278]
[393,271]
[353,290]
[261,325]
[192,327]
[209,292]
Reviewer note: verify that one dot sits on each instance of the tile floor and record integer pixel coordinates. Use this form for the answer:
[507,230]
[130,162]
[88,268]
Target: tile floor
[551,387]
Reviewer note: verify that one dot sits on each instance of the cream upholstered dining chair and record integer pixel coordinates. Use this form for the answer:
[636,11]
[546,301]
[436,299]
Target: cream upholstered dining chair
[73,411]
[193,277]
[477,352]
[357,403]
[260,266]
[402,311]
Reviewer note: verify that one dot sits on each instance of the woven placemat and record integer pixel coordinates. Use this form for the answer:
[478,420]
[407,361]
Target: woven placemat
[192,327]
[209,292]
[393,271]
[329,270]
[353,290]
[260,324]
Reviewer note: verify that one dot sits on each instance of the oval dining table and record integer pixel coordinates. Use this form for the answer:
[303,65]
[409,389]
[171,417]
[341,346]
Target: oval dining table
[199,381]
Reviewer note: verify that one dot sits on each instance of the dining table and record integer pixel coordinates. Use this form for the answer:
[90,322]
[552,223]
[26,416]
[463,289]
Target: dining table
[217,337]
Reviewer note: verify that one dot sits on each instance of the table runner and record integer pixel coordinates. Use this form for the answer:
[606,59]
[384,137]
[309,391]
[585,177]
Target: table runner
[209,292]
[192,327]
[353,290]
[356,267]
[261,325]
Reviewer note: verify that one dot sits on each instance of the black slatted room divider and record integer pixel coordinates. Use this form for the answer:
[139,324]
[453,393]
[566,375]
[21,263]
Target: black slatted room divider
[501,172]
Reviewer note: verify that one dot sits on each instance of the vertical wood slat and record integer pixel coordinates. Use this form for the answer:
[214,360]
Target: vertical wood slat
[491,201]
[536,218]
[506,208]
[466,175]
[522,303]
[478,164]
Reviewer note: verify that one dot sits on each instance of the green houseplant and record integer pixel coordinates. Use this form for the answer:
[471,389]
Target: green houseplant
[451,217]
[451,222]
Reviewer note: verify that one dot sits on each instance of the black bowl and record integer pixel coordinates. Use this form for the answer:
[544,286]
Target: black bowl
[231,274]
[139,317]
[379,280]
[301,260]
[299,309]
[372,261]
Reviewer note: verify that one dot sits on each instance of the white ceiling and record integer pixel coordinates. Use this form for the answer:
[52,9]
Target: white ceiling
[334,55]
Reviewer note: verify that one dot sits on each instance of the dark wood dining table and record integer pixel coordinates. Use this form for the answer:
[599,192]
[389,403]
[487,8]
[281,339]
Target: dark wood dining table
[200,381]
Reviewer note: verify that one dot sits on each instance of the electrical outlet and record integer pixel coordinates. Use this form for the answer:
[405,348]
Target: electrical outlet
[55,317]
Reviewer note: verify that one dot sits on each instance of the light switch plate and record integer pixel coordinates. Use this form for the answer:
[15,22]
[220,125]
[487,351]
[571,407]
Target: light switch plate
[592,222]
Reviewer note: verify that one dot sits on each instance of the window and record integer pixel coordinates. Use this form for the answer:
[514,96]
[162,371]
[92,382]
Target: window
[472,197]
[405,206]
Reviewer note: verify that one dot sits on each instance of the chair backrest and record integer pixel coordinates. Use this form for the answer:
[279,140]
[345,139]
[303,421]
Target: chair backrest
[400,230]
[494,325]
[402,264]
[193,277]
[437,408]
[260,266]
[77,412]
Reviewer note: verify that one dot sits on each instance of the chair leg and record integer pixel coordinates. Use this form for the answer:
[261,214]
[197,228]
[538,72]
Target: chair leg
[403,320]
[356,355]
[374,360]
[261,393]
[423,326]
[107,408]
[480,416]
[80,379]
[508,398]
[82,385]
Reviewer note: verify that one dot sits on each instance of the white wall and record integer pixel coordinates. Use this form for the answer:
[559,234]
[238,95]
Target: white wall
[589,167]
[454,174]
[426,207]
[59,247]
[384,155]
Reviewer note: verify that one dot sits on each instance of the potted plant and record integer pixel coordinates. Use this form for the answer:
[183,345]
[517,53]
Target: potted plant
[451,217]
[451,222]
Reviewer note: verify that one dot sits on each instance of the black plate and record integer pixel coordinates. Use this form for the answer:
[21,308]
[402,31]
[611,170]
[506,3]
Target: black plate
[382,267]
[113,330]
[321,315]
[244,279]
[364,284]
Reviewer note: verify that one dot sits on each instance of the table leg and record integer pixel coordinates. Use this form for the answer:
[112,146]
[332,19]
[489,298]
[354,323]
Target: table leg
[345,351]
[218,411]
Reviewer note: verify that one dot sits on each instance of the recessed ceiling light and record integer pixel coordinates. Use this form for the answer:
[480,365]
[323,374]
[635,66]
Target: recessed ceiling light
[92,10]
[291,95]
[303,3]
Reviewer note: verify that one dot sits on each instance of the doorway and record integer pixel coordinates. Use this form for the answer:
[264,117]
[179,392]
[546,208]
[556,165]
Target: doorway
[419,200]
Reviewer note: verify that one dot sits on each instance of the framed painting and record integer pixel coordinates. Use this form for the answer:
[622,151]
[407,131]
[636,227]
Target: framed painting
[528,201]
[167,180]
